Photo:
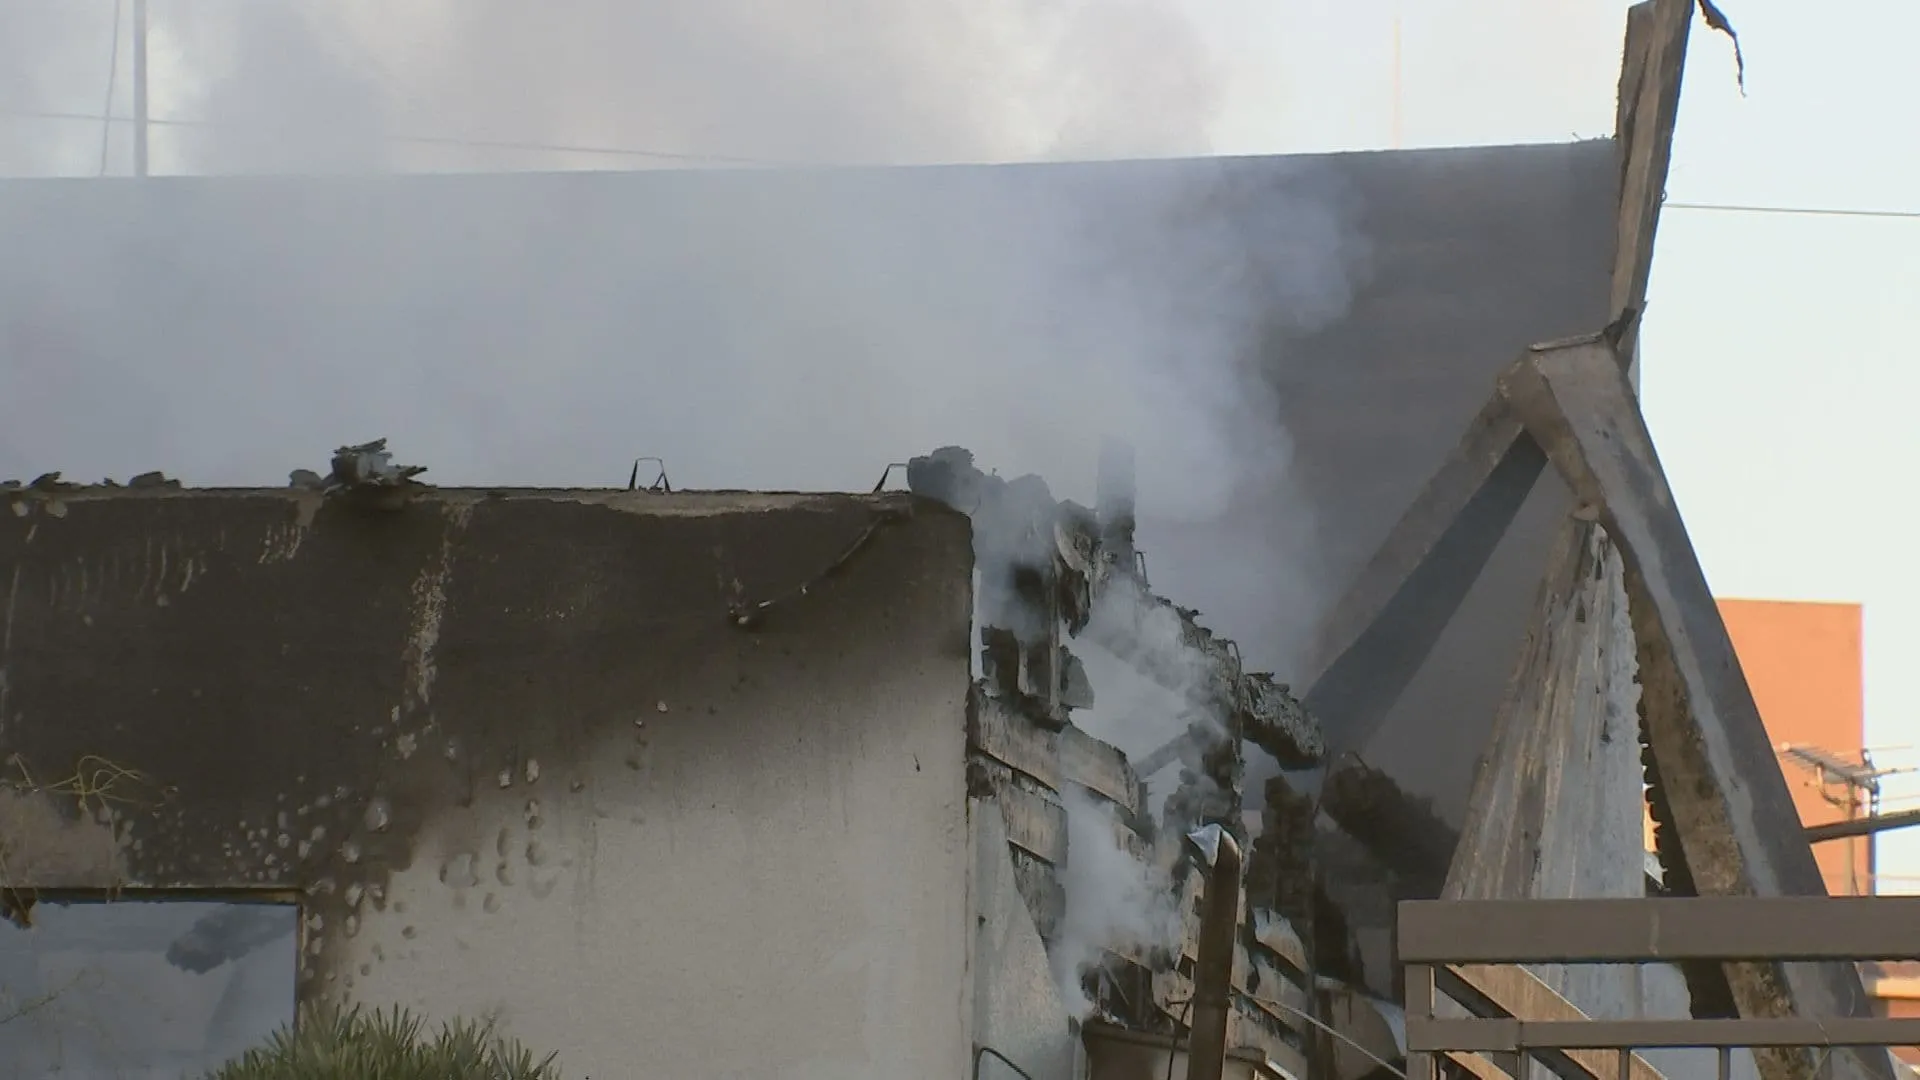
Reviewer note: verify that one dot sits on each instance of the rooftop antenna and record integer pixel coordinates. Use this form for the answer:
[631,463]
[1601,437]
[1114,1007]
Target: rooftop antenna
[1396,81]
[139,87]
[1858,783]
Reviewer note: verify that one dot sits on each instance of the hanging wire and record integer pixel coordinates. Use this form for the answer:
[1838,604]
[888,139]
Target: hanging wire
[440,140]
[1791,211]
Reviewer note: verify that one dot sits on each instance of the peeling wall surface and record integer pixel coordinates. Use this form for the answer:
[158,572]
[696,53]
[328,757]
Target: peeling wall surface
[1016,1007]
[300,291]
[518,758]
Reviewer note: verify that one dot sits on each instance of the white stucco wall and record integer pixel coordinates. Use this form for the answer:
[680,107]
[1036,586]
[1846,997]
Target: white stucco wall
[774,888]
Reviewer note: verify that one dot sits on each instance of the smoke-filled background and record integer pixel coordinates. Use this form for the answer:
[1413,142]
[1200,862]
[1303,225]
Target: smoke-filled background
[755,330]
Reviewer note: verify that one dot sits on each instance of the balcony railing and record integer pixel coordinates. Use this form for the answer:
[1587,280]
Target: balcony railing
[1434,935]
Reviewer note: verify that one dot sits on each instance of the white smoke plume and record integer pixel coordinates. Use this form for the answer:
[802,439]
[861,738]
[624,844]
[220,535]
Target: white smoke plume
[791,332]
[298,84]
[1113,900]
[1031,321]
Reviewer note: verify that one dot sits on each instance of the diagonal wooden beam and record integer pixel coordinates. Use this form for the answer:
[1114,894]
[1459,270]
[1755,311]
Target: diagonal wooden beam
[1556,770]
[1381,631]
[1735,817]
[1648,107]
[1383,628]
[1554,774]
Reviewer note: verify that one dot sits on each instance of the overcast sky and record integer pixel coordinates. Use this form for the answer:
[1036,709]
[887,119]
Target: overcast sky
[1777,373]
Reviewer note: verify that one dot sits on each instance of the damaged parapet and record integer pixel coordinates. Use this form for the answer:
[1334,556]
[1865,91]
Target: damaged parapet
[1051,571]
[365,467]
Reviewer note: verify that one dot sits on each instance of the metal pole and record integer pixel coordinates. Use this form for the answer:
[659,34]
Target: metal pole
[1396,81]
[1853,845]
[1213,968]
[139,87]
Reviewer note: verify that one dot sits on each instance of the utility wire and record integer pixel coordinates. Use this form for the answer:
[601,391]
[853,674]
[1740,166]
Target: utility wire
[435,140]
[1795,211]
[106,119]
[113,75]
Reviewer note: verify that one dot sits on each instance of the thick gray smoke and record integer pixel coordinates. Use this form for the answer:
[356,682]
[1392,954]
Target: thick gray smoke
[1031,320]
[754,330]
[300,84]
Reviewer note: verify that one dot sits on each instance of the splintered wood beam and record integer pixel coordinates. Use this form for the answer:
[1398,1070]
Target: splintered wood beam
[1552,755]
[1651,66]
[1734,815]
[1555,783]
[1381,631]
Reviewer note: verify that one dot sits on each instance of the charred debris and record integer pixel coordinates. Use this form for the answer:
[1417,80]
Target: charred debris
[1052,575]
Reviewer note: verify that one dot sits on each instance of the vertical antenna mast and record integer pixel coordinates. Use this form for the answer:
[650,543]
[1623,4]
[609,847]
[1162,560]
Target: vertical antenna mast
[1396,81]
[139,87]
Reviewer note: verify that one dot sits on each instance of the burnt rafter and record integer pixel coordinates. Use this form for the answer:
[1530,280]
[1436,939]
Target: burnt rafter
[1377,637]
[1733,815]
[1381,631]
[1731,825]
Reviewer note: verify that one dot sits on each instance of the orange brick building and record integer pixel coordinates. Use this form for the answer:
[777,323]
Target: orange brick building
[1804,664]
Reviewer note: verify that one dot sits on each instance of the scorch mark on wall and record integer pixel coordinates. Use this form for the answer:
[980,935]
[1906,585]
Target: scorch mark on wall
[429,607]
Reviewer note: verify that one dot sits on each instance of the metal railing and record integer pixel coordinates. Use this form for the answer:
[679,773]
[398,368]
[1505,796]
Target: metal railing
[1436,934]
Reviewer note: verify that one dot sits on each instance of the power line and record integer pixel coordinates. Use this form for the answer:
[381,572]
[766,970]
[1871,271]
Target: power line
[107,119]
[432,140]
[1795,211]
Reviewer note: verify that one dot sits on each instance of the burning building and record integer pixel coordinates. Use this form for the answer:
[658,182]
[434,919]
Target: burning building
[718,783]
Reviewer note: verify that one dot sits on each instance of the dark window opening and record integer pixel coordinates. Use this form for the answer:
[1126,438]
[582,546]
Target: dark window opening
[137,987]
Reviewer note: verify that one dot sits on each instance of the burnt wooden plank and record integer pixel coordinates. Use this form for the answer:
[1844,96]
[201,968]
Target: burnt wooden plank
[1100,768]
[1652,65]
[1504,810]
[1250,1027]
[1277,936]
[1556,804]
[1381,631]
[1279,1003]
[1039,885]
[1402,831]
[999,731]
[1036,822]
[1735,817]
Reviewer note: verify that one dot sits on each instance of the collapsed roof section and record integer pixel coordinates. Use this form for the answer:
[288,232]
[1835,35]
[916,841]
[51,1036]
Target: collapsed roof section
[1052,573]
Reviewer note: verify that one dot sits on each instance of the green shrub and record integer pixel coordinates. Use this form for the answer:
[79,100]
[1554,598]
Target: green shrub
[349,1044]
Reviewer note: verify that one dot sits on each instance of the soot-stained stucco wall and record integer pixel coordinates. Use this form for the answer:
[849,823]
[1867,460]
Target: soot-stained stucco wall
[518,759]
